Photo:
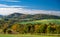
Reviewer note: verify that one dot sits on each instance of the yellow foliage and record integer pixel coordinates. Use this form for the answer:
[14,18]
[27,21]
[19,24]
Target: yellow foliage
[14,27]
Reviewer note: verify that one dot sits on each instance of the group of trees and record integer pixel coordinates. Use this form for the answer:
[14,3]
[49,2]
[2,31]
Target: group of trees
[31,28]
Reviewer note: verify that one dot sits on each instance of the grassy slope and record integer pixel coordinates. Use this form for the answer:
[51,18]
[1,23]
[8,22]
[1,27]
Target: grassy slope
[24,35]
[45,21]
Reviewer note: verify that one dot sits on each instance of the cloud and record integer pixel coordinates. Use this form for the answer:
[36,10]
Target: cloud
[11,0]
[7,11]
[4,5]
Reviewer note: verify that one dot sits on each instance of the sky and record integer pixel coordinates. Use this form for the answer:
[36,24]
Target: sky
[30,6]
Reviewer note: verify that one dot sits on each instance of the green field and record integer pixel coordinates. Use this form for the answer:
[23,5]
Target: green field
[24,35]
[44,21]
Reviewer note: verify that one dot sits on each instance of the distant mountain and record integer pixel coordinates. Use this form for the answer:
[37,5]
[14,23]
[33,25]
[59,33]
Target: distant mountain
[14,15]
[45,16]
[19,16]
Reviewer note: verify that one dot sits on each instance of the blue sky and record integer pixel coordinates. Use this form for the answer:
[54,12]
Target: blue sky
[29,5]
[34,4]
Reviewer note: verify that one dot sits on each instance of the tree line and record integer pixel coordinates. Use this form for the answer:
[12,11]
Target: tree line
[15,28]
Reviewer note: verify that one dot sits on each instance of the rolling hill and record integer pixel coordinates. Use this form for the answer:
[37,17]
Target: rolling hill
[26,18]
[19,16]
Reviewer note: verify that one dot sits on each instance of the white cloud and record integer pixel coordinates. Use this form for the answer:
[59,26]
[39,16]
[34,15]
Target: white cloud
[11,0]
[3,5]
[7,11]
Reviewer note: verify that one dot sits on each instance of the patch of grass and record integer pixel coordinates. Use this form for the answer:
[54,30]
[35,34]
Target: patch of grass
[45,21]
[24,35]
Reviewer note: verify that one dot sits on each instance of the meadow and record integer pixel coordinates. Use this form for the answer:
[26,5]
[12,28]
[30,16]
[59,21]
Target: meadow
[44,21]
[25,35]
